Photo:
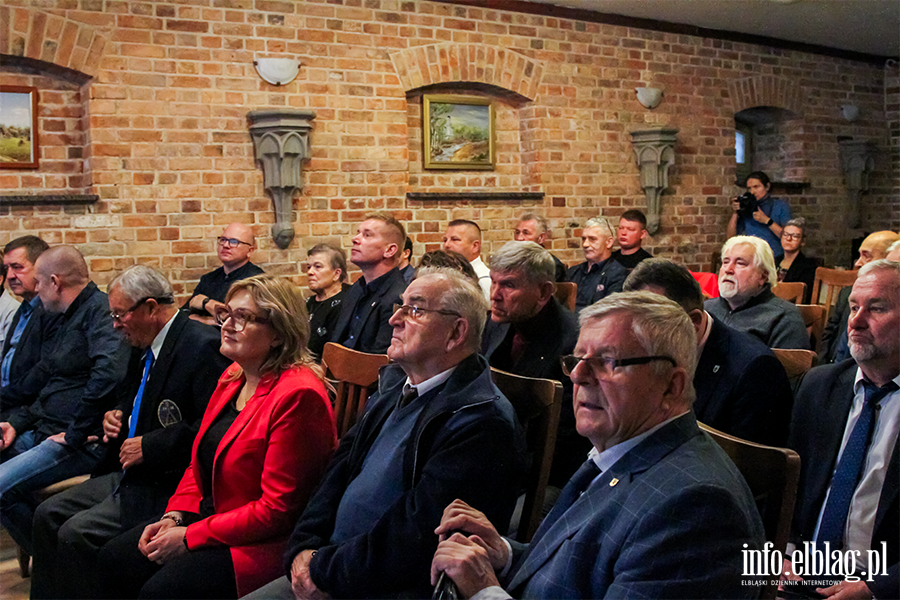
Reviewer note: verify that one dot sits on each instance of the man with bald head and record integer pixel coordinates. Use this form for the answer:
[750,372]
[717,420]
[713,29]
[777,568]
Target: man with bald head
[57,436]
[233,248]
[834,346]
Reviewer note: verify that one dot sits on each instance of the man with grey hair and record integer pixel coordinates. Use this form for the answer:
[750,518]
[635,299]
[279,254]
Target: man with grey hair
[846,427]
[746,301]
[175,365]
[57,436]
[643,516]
[599,275]
[533,227]
[529,330]
[436,430]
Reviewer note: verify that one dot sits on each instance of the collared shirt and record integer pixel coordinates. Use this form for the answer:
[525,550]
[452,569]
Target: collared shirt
[156,347]
[596,281]
[359,294]
[430,383]
[25,310]
[215,284]
[861,521]
[484,276]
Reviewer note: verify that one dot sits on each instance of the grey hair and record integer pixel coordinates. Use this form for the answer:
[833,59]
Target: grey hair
[882,264]
[762,254]
[528,258]
[661,327]
[462,296]
[600,222]
[140,281]
[541,221]
[798,222]
[894,246]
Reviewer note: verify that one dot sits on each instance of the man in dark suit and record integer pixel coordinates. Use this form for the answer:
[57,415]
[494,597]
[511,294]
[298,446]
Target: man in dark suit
[368,304]
[147,451]
[600,274]
[742,388]
[32,331]
[846,426]
[437,429]
[527,333]
[657,511]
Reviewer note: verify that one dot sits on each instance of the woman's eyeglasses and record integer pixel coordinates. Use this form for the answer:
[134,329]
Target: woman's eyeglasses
[239,317]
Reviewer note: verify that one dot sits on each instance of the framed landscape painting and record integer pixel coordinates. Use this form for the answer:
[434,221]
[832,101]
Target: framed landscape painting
[18,127]
[458,132]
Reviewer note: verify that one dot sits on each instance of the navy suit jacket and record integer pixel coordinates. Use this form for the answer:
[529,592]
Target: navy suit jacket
[376,332]
[742,389]
[817,429]
[652,526]
[26,376]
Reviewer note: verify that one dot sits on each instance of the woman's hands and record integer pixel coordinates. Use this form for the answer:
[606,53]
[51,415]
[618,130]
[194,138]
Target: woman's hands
[163,541]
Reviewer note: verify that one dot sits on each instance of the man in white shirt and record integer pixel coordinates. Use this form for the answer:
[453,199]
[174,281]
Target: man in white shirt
[465,237]
[845,427]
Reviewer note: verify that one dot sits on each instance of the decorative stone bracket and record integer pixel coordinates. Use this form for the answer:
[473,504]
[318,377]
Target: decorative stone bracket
[281,139]
[858,162]
[654,153]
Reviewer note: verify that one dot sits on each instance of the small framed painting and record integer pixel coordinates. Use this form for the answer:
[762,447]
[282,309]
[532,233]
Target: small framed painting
[458,132]
[18,127]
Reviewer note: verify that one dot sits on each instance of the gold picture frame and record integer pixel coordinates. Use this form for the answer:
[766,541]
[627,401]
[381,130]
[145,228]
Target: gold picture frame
[458,132]
[19,147]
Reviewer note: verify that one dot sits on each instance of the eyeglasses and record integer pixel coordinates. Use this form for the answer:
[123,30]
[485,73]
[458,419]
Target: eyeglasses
[791,236]
[605,365]
[239,318]
[117,317]
[230,242]
[415,313]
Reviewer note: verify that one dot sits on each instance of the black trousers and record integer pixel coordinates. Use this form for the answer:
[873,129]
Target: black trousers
[201,573]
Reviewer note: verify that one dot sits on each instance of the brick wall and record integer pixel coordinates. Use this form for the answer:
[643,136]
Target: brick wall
[168,150]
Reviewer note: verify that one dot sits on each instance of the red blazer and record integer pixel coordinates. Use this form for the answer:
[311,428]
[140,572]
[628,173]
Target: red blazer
[265,469]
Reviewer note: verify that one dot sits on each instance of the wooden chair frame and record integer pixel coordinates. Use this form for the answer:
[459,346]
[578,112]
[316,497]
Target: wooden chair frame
[835,280]
[792,291]
[814,318]
[567,293]
[537,403]
[357,377]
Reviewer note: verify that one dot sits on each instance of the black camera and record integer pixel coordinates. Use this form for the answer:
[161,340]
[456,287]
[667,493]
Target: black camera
[748,205]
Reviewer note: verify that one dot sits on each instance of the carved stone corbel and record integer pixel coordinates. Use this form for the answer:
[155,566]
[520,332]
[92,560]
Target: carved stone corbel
[857,162]
[654,152]
[281,140]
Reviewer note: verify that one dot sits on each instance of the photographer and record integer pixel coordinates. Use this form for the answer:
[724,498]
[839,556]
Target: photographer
[756,213]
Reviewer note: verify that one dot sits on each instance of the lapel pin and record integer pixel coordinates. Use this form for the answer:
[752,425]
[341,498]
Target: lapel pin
[716,369]
[613,482]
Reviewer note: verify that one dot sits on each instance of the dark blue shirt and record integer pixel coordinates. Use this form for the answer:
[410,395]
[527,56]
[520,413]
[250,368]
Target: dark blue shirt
[596,282]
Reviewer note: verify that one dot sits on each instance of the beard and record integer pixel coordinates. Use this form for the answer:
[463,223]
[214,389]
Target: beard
[863,351]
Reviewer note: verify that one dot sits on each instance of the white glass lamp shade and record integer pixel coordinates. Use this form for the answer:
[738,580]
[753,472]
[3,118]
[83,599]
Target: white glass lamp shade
[277,71]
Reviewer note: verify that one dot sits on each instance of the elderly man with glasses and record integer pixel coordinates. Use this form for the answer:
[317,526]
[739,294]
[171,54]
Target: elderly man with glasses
[656,511]
[599,275]
[437,429]
[174,367]
[233,248]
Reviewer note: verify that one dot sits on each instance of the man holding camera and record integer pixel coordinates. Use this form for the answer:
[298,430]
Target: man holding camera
[758,214]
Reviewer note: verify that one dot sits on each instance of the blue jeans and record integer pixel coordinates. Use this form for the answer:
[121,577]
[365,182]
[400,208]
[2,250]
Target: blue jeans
[27,467]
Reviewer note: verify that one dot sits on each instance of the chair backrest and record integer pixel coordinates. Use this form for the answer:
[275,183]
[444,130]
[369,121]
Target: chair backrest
[792,291]
[833,280]
[537,403]
[566,292]
[357,376]
[772,475]
[796,363]
[814,318]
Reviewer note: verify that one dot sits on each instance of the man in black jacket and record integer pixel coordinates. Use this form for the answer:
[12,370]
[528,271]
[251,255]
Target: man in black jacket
[437,429]
[527,334]
[600,274]
[147,450]
[32,331]
[57,436]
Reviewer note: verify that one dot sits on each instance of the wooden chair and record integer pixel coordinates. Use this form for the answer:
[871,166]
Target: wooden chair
[814,319]
[22,557]
[834,280]
[566,293]
[792,291]
[772,475]
[357,375]
[537,403]
[796,362]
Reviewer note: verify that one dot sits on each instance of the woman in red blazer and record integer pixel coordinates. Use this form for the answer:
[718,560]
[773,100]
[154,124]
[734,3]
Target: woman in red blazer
[263,444]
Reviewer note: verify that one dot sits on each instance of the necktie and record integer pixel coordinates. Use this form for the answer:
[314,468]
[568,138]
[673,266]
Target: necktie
[408,395]
[576,486]
[849,469]
[148,362]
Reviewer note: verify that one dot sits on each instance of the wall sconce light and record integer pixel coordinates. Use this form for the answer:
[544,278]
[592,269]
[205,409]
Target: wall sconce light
[850,112]
[277,71]
[649,97]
